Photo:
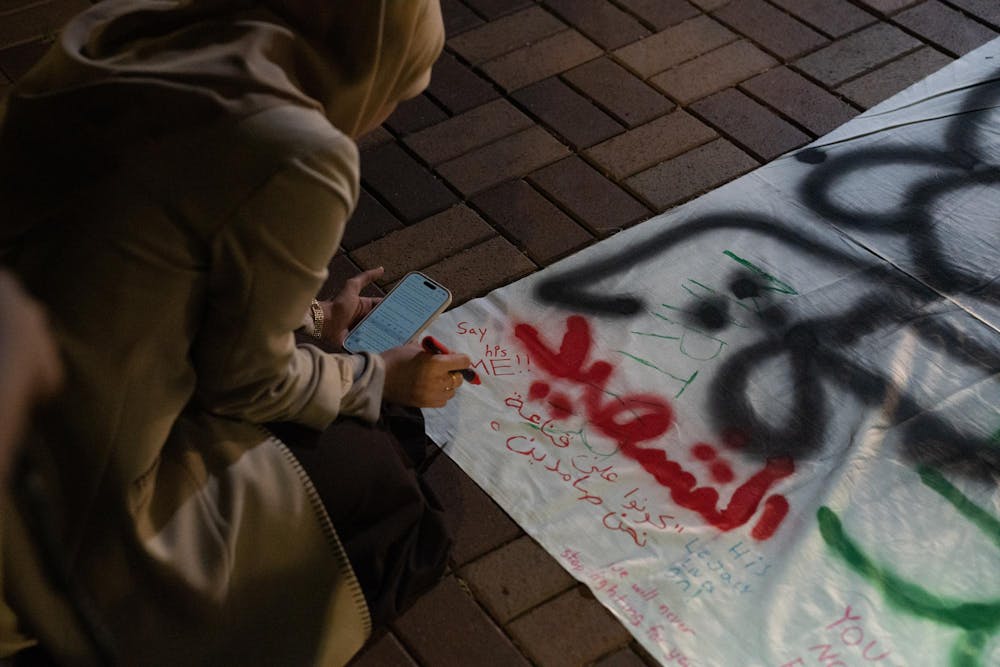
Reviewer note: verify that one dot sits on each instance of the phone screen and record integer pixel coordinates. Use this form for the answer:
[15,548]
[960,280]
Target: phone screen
[404,313]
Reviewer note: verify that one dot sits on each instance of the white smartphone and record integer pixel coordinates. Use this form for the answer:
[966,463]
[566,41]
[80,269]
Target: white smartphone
[404,312]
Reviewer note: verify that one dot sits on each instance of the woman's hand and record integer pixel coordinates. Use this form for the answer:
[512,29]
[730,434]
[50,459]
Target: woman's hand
[419,379]
[345,310]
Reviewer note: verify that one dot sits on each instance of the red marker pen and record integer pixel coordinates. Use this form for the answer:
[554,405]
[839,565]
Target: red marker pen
[432,345]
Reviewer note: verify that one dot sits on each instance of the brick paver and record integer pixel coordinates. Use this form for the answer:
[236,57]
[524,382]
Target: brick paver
[887,7]
[987,10]
[569,114]
[492,9]
[857,53]
[596,202]
[673,46]
[600,20]
[479,270]
[473,129]
[458,17]
[506,34]
[532,221]
[770,27]
[371,220]
[876,86]
[380,135]
[618,91]
[549,124]
[833,17]
[512,156]
[650,144]
[453,231]
[457,87]
[415,114]
[447,627]
[945,27]
[385,651]
[477,524]
[661,14]
[749,124]
[622,658]
[571,630]
[713,71]
[515,578]
[709,5]
[552,55]
[692,173]
[805,103]
[406,185]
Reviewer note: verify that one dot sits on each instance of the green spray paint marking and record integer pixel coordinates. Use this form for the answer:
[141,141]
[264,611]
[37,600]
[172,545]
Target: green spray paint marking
[979,620]
[650,364]
[642,333]
[968,650]
[686,329]
[701,285]
[664,317]
[776,284]
[701,298]
[980,518]
[902,594]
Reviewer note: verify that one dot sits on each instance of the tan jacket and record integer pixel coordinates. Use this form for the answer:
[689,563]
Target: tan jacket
[174,190]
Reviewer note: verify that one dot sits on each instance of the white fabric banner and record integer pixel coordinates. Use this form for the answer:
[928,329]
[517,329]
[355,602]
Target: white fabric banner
[763,427]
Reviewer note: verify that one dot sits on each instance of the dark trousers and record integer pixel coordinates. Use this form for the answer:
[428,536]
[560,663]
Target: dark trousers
[388,519]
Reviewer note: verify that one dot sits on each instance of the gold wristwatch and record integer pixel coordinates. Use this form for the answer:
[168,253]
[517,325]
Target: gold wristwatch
[317,317]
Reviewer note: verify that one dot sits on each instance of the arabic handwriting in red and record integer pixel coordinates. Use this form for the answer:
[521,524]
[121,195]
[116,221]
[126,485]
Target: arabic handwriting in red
[719,468]
[612,522]
[587,495]
[607,472]
[775,509]
[528,447]
[652,415]
[635,418]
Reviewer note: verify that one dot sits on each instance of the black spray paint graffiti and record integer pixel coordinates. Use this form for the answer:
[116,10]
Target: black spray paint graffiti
[816,349]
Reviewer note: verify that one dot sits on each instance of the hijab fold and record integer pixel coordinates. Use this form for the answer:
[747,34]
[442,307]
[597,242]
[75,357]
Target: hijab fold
[142,71]
[349,58]
[383,49]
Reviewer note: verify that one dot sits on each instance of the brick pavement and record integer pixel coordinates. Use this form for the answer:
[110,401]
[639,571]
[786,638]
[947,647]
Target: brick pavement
[547,126]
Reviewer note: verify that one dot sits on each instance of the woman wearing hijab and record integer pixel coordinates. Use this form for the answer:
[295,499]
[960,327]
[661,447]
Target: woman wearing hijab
[176,177]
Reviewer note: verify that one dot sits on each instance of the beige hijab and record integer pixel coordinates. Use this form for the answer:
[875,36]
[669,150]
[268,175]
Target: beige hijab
[137,70]
[355,58]
[383,50]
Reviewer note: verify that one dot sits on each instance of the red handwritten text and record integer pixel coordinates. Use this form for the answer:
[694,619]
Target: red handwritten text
[848,629]
[636,418]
